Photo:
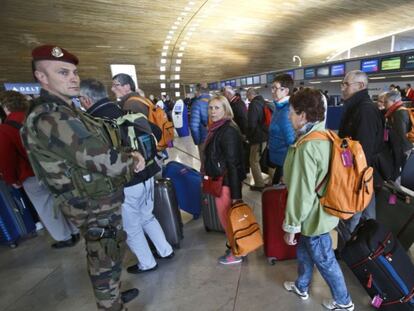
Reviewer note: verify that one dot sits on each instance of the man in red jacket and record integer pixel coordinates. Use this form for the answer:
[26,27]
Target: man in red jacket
[17,172]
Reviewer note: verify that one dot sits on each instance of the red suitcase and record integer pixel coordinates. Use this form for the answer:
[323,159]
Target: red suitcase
[273,213]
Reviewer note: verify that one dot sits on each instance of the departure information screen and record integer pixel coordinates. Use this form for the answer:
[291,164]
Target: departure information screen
[270,77]
[291,73]
[409,62]
[369,65]
[392,63]
[322,72]
[338,70]
[309,73]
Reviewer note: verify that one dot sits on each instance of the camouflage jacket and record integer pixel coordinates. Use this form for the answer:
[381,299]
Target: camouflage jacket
[71,157]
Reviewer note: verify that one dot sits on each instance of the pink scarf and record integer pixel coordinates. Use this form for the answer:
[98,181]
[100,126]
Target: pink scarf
[212,129]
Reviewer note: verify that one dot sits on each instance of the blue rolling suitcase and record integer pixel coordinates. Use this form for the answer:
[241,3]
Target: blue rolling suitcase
[187,185]
[382,266]
[15,218]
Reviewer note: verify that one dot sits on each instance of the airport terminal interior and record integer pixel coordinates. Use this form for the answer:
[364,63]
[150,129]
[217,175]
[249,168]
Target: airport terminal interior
[40,278]
[168,47]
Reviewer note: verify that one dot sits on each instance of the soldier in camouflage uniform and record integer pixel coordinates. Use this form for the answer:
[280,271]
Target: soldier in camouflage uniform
[79,164]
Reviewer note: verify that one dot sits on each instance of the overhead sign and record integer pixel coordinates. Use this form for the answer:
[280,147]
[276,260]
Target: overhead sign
[392,63]
[24,88]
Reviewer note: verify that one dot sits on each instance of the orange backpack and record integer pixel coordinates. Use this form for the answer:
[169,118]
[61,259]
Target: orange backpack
[349,180]
[158,116]
[243,230]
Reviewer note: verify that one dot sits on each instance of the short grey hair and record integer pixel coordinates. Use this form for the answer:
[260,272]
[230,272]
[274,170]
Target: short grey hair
[93,89]
[123,79]
[359,76]
[252,92]
[393,96]
[229,90]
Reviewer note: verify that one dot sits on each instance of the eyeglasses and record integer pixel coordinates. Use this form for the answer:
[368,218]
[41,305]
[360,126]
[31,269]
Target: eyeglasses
[116,84]
[346,84]
[274,88]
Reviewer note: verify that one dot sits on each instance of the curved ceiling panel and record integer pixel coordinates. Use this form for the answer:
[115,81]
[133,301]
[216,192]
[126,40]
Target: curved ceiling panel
[218,39]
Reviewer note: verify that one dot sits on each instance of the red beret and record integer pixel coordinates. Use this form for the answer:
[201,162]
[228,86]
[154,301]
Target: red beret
[52,52]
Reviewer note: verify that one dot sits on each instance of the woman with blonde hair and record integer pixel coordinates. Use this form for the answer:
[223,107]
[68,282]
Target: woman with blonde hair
[224,157]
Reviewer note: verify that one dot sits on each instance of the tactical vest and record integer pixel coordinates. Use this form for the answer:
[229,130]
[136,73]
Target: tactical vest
[63,176]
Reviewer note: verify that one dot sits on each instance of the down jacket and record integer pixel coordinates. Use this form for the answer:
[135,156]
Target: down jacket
[281,133]
[199,119]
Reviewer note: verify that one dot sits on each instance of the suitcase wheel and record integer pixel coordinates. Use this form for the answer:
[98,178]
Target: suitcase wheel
[207,229]
[13,245]
[271,260]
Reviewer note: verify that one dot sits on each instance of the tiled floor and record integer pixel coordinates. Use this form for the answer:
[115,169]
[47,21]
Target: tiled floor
[35,277]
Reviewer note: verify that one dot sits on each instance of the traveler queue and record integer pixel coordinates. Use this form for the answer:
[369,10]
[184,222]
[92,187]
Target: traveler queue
[304,167]
[58,136]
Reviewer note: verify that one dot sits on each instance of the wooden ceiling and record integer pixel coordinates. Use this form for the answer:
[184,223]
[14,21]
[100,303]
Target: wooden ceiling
[222,38]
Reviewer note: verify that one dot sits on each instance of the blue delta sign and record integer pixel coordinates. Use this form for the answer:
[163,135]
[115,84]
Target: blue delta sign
[24,88]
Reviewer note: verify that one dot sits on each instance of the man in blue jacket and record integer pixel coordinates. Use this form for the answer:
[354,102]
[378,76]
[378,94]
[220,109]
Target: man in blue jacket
[199,118]
[281,133]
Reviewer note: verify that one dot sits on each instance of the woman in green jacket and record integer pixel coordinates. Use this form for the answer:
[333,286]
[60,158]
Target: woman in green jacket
[305,167]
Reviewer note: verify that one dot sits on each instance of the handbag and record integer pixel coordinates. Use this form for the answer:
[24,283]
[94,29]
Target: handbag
[212,185]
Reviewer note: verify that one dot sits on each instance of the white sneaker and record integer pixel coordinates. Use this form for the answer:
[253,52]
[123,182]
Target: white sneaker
[291,287]
[332,305]
[39,226]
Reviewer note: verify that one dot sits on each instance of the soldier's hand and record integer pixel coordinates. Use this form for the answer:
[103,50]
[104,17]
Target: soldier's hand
[139,161]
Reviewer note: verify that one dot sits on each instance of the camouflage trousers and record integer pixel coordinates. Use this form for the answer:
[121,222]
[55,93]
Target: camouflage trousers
[104,257]
[104,268]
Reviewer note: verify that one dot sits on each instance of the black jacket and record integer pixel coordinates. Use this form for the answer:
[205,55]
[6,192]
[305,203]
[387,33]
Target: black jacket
[224,155]
[240,114]
[104,108]
[362,121]
[256,130]
[400,122]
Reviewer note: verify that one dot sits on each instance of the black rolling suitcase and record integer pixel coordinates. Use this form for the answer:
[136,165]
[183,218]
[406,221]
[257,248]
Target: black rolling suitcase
[382,266]
[209,212]
[167,212]
[395,209]
[15,218]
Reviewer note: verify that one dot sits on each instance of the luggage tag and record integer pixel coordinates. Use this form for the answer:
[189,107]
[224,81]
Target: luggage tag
[386,134]
[346,157]
[376,302]
[392,199]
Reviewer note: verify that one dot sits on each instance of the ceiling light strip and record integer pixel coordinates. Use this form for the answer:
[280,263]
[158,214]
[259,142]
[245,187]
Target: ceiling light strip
[181,33]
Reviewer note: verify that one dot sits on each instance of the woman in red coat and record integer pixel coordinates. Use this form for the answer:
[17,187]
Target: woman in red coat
[16,171]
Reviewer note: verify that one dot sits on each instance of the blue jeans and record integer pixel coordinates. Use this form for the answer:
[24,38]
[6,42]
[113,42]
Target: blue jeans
[317,250]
